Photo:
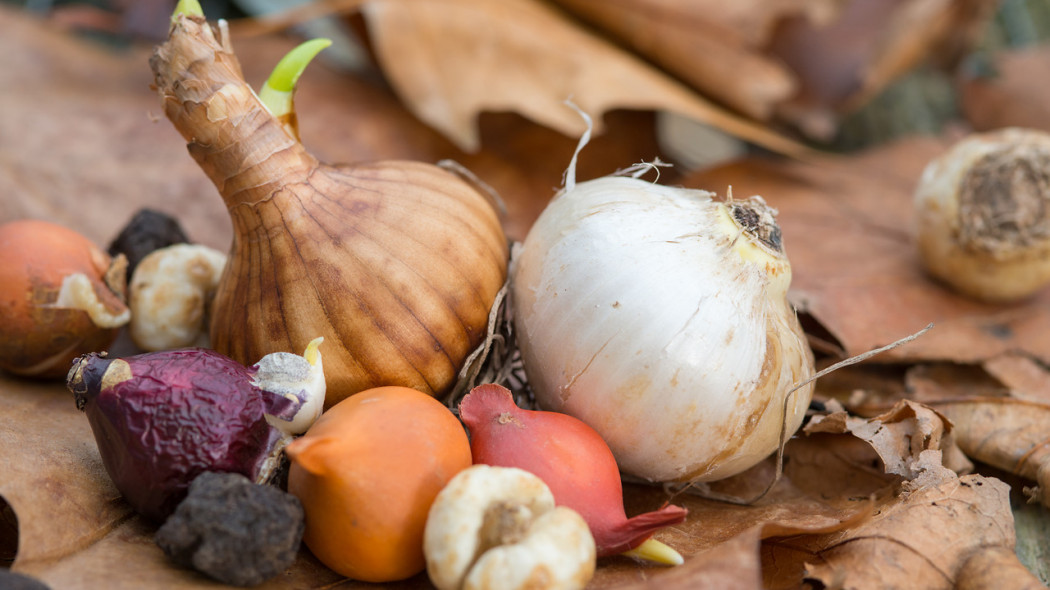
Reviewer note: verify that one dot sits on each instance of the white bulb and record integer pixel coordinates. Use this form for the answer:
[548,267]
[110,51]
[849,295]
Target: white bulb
[659,317]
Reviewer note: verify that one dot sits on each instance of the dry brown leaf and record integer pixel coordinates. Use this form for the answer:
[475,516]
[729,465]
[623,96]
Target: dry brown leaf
[1011,375]
[843,64]
[1009,434]
[732,565]
[866,390]
[995,568]
[716,47]
[847,228]
[829,484]
[934,382]
[126,558]
[876,390]
[451,60]
[805,61]
[76,137]
[1025,377]
[1017,95]
[920,540]
[899,436]
[63,500]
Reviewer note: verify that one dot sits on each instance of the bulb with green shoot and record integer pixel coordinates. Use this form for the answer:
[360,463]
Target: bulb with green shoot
[396,264]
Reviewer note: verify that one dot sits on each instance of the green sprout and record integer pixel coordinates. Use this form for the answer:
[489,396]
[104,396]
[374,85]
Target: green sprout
[279,88]
[187,7]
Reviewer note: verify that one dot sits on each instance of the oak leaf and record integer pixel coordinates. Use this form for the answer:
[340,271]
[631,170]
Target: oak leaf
[921,540]
[451,60]
[803,62]
[718,48]
[900,436]
[1023,376]
[995,567]
[1010,434]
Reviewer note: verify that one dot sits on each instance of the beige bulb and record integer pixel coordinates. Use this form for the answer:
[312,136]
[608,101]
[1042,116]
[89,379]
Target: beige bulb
[983,215]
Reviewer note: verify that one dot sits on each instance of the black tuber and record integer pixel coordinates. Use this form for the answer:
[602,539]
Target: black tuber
[148,230]
[233,530]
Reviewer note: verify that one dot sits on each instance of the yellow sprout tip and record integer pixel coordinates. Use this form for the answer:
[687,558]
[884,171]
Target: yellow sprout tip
[656,552]
[312,355]
[278,91]
[187,7]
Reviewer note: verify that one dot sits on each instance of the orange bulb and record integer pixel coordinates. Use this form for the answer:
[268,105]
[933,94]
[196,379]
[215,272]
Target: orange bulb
[367,472]
[39,335]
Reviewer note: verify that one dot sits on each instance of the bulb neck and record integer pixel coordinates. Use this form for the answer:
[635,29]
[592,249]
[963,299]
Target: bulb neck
[756,238]
[758,221]
[245,151]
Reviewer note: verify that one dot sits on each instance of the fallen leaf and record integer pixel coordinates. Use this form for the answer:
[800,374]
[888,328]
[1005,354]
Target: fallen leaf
[874,389]
[1017,94]
[732,565]
[1006,432]
[1024,377]
[1010,434]
[995,567]
[804,62]
[829,484]
[716,47]
[61,496]
[920,540]
[847,227]
[840,65]
[932,382]
[78,145]
[899,436]
[866,389]
[126,558]
[451,60]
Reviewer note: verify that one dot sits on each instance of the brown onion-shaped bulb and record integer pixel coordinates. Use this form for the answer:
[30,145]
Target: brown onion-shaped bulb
[61,296]
[396,264]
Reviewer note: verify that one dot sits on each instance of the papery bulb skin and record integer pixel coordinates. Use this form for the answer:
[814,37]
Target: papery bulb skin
[162,418]
[569,456]
[983,215]
[659,317]
[396,264]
